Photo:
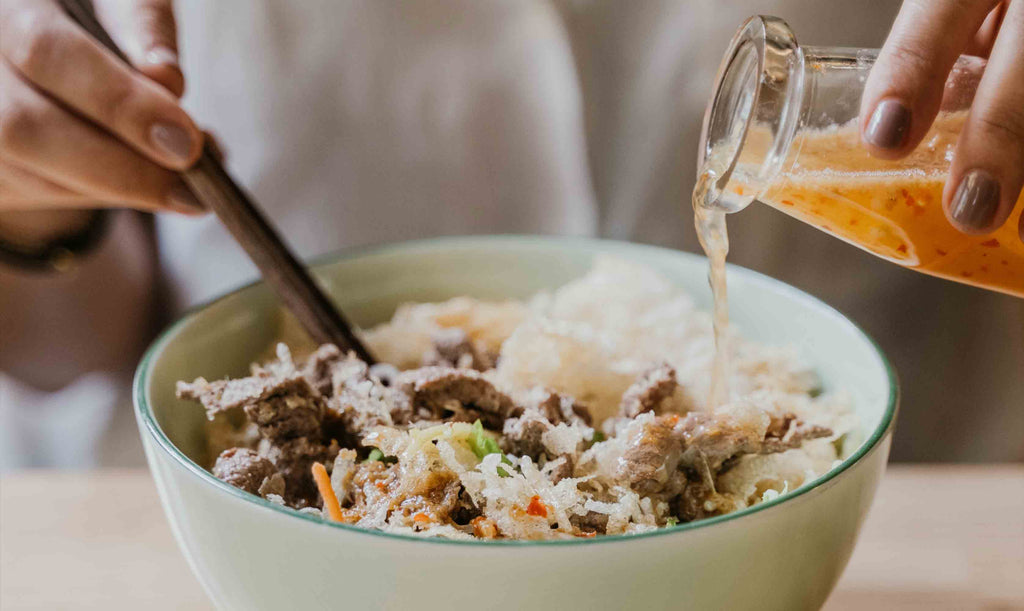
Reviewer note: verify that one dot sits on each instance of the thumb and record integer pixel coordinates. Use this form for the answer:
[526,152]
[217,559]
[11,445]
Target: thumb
[146,31]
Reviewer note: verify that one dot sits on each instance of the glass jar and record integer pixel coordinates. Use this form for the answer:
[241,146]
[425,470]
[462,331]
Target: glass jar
[782,128]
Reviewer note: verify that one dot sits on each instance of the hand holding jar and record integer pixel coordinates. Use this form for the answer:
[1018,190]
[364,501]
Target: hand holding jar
[904,94]
[880,148]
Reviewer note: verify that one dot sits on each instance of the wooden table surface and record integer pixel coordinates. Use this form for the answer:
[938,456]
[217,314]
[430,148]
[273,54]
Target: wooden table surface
[938,537]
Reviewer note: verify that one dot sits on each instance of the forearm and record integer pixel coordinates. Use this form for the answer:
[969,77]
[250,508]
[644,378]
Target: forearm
[97,316]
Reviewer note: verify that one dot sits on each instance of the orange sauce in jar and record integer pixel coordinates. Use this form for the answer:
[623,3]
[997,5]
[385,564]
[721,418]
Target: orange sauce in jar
[893,208]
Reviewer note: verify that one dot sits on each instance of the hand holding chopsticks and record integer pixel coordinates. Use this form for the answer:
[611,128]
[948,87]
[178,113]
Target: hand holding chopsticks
[214,188]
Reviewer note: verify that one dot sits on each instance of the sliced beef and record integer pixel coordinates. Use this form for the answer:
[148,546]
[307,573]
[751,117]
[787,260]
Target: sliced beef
[558,408]
[286,416]
[274,485]
[347,372]
[716,438]
[363,402]
[523,436]
[465,510]
[357,399]
[787,432]
[357,418]
[649,392]
[690,505]
[563,470]
[329,370]
[244,468]
[280,406]
[454,348]
[711,439]
[702,443]
[591,522]
[223,395]
[650,462]
[462,395]
[294,459]
[319,368]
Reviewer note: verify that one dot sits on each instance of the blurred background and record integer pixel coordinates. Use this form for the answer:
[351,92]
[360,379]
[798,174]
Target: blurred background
[364,122]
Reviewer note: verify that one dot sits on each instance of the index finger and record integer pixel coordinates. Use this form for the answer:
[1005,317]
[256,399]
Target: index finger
[59,58]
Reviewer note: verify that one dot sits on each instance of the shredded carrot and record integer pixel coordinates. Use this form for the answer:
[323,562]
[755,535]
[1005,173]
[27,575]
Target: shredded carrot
[421,518]
[323,484]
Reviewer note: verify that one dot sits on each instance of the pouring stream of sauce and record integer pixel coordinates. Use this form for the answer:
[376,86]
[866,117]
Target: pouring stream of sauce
[711,231]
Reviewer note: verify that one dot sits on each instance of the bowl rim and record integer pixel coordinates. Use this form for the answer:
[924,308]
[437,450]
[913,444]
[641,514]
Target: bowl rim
[144,413]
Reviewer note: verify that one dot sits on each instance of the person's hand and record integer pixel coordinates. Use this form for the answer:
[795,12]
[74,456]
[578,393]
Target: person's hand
[78,127]
[904,92]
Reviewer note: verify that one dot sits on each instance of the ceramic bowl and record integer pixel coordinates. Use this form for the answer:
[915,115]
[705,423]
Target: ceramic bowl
[248,554]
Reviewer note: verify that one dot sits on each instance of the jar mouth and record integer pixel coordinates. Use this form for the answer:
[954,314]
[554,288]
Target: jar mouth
[759,86]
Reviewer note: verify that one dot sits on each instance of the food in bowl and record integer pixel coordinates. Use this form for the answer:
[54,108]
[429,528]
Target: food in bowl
[579,413]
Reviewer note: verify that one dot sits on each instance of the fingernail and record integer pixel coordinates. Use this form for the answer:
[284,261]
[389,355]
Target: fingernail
[171,140]
[181,199]
[161,56]
[889,125]
[976,201]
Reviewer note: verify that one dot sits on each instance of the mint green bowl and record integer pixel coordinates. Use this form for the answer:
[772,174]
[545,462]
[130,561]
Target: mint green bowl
[787,553]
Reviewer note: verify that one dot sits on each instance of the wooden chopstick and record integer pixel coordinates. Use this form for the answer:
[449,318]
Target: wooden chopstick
[214,188]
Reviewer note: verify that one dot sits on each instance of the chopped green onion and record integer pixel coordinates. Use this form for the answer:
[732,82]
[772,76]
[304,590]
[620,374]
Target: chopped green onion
[483,444]
[376,454]
[598,437]
[671,521]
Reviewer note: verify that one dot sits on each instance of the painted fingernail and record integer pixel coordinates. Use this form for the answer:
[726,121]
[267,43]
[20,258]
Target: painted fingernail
[889,125]
[976,201]
[181,199]
[161,56]
[171,140]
